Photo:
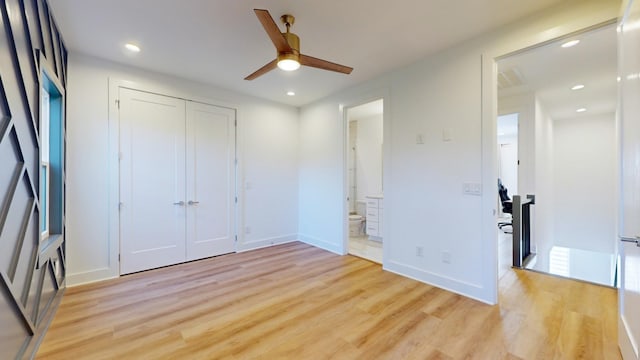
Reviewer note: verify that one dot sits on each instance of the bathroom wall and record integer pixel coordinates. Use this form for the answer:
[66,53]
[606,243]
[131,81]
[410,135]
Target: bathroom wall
[369,156]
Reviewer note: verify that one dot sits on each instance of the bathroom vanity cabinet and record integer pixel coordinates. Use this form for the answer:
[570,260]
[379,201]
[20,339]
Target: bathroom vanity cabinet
[375,211]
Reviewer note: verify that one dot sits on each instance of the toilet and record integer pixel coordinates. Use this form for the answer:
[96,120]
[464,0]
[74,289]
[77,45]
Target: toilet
[356,225]
[356,221]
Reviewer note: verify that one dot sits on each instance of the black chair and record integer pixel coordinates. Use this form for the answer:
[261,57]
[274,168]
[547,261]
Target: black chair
[507,205]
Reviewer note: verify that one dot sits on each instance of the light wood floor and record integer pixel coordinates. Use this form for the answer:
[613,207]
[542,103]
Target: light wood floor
[297,302]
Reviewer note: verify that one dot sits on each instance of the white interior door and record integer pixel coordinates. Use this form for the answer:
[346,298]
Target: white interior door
[152,180]
[210,180]
[629,293]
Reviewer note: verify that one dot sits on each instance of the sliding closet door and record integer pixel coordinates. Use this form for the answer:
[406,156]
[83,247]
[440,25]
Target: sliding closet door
[152,180]
[210,180]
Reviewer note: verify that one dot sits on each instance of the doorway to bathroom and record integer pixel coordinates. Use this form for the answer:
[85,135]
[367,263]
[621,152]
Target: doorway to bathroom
[365,184]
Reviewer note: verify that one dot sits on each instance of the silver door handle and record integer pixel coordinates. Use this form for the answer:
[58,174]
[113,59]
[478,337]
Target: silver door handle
[635,239]
[190,202]
[181,203]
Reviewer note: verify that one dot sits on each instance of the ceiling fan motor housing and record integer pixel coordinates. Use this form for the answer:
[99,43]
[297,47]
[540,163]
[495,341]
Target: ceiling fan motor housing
[294,42]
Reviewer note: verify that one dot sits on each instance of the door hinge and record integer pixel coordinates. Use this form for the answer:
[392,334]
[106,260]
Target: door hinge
[120,205]
[118,257]
[236,199]
[118,103]
[120,156]
[236,238]
[235,122]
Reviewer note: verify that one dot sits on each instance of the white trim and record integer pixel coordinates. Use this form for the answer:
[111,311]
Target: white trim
[267,242]
[322,244]
[474,291]
[89,277]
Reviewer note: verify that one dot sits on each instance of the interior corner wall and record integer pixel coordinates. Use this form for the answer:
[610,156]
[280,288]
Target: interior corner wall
[32,270]
[267,163]
[441,99]
[585,183]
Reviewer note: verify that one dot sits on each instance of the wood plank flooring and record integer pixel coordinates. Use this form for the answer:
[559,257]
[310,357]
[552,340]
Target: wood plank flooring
[295,301]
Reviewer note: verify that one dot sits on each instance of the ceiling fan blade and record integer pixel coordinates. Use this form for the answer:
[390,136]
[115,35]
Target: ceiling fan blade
[324,64]
[272,30]
[263,70]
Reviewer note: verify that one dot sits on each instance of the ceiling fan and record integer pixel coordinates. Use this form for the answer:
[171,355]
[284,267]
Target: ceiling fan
[288,46]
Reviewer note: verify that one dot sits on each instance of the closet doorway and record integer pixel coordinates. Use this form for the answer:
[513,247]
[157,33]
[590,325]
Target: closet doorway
[177,180]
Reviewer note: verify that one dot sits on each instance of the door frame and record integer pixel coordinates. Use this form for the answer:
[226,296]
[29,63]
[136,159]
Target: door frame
[112,268]
[377,94]
[516,43]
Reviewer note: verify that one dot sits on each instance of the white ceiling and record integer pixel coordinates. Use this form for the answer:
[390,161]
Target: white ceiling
[221,41]
[550,71]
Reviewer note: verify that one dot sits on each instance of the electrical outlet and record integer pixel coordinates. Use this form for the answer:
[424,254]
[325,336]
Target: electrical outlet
[419,251]
[446,257]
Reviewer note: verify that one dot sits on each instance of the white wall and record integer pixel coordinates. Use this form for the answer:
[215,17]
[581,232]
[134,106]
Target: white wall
[369,157]
[268,164]
[543,212]
[585,183]
[424,203]
[524,105]
[321,178]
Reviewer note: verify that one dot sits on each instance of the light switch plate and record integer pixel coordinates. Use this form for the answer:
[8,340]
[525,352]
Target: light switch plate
[469,188]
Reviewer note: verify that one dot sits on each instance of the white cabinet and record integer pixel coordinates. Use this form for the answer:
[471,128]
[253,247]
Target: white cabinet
[375,210]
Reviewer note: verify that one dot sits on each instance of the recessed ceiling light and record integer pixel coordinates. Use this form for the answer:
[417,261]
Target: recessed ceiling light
[132,47]
[577,87]
[581,110]
[291,93]
[571,43]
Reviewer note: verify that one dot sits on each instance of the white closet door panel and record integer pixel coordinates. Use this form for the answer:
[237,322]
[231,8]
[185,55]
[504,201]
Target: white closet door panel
[152,180]
[210,180]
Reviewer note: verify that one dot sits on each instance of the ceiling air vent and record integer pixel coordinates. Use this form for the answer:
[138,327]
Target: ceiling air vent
[509,78]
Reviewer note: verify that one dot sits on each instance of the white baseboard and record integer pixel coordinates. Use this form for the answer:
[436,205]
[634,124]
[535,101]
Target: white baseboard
[261,243]
[90,276]
[322,244]
[469,290]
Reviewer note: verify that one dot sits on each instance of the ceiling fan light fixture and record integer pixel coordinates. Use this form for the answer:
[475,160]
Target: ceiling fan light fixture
[287,45]
[288,62]
[288,65]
